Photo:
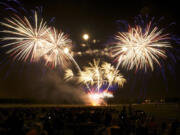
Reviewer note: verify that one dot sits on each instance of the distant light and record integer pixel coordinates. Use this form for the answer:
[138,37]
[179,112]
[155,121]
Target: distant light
[79,53]
[85,36]
[83,45]
[66,50]
[105,49]
[94,41]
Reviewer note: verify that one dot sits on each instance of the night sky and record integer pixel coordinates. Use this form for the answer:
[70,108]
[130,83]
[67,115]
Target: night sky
[99,19]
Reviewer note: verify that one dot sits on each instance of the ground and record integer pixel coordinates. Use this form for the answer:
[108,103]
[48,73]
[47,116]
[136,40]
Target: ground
[161,112]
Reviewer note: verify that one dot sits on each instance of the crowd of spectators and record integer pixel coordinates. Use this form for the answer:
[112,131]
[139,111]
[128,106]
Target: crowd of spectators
[83,120]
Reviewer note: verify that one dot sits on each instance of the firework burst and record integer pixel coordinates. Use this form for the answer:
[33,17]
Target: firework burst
[140,48]
[25,37]
[57,52]
[96,76]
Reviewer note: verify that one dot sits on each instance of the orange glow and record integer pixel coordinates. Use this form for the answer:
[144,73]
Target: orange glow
[98,98]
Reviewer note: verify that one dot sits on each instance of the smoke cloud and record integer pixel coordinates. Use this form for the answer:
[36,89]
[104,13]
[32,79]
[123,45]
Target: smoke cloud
[39,85]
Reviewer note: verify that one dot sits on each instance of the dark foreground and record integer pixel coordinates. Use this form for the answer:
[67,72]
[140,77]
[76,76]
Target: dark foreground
[143,119]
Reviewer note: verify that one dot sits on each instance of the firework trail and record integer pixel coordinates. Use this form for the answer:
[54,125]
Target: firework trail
[140,48]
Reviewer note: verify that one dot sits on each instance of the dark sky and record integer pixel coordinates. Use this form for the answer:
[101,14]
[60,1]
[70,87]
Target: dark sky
[98,18]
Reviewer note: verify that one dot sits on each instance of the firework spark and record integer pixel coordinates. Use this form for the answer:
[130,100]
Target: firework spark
[25,36]
[140,48]
[68,75]
[112,75]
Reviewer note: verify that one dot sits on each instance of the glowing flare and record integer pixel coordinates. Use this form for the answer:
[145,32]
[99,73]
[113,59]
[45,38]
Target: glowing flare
[66,50]
[97,99]
[85,36]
